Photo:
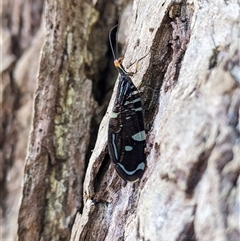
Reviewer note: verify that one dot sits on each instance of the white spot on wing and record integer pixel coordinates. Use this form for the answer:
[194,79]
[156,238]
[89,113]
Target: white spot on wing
[134,101]
[114,147]
[114,115]
[140,166]
[138,109]
[128,148]
[135,92]
[140,136]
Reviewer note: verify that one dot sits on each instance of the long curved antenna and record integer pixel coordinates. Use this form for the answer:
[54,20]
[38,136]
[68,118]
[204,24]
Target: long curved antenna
[110,41]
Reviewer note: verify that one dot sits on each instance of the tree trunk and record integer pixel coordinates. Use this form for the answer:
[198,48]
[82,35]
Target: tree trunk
[188,77]
[67,107]
[21,42]
[191,96]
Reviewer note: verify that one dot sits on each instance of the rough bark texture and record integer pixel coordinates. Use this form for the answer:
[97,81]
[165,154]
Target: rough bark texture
[67,107]
[21,42]
[190,89]
[191,94]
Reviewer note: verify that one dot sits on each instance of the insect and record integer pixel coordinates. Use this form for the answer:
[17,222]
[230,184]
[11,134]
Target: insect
[126,133]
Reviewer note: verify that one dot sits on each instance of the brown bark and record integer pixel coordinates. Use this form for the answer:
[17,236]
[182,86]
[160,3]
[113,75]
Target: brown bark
[64,114]
[190,89]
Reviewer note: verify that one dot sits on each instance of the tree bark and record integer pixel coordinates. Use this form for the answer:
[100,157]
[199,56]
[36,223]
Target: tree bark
[190,89]
[21,42]
[67,107]
[191,96]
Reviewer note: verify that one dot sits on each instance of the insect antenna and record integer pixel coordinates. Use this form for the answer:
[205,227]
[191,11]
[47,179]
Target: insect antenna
[110,41]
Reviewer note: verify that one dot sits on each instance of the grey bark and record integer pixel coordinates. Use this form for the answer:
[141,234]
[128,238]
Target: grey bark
[190,89]
[21,42]
[191,94]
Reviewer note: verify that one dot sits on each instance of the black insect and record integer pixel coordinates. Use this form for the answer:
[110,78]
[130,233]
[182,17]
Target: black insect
[126,133]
